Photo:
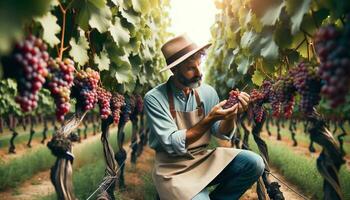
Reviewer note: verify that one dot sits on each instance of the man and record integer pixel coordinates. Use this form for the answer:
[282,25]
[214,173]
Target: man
[182,114]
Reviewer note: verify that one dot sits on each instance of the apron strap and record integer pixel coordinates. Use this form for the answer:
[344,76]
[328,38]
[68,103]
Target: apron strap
[199,103]
[171,101]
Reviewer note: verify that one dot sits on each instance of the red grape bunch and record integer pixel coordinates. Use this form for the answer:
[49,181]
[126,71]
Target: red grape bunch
[28,65]
[308,85]
[59,82]
[117,102]
[84,89]
[276,98]
[285,92]
[332,47]
[232,99]
[139,103]
[127,110]
[104,98]
[257,98]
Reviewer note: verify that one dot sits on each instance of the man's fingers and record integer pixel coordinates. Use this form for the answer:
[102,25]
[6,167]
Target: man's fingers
[245,95]
[228,110]
[222,103]
[243,101]
[245,98]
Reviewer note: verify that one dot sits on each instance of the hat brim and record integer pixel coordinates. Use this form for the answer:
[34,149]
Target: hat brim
[184,57]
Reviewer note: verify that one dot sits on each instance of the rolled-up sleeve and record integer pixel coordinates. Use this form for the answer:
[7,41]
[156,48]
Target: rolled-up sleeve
[163,127]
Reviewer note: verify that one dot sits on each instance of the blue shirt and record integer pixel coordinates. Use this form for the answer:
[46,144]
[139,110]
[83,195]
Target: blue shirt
[164,134]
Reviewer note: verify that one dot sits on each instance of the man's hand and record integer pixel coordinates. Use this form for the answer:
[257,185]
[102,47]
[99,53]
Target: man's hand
[218,113]
[244,100]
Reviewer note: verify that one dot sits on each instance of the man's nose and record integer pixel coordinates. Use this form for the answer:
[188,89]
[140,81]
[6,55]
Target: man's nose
[198,68]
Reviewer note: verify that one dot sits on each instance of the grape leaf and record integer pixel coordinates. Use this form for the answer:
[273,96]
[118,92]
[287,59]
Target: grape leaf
[243,64]
[282,36]
[50,27]
[119,34]
[102,61]
[95,13]
[269,48]
[141,6]
[271,15]
[258,78]
[296,9]
[79,49]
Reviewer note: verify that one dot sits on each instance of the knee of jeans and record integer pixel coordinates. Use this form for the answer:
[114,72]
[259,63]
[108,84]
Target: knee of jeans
[256,164]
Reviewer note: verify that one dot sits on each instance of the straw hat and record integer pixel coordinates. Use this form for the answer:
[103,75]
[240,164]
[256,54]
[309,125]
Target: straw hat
[179,49]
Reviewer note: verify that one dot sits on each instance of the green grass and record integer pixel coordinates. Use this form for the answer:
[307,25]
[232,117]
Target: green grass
[20,169]
[301,170]
[17,170]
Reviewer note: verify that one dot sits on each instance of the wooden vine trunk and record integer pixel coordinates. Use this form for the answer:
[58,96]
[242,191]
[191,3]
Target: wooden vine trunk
[12,124]
[106,191]
[330,158]
[121,155]
[264,185]
[44,133]
[61,146]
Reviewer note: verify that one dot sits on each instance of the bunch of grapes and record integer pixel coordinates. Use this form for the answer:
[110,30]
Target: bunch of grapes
[104,98]
[117,102]
[266,89]
[276,98]
[126,110]
[28,65]
[332,47]
[307,84]
[59,82]
[285,92]
[139,103]
[232,99]
[84,89]
[258,98]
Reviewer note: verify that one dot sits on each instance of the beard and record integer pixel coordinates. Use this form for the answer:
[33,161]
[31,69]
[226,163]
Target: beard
[193,83]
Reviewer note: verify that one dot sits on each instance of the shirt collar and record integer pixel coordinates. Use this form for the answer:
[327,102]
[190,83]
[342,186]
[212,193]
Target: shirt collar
[176,91]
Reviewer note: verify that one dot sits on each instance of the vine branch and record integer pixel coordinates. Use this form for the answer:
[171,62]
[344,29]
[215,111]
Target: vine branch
[62,48]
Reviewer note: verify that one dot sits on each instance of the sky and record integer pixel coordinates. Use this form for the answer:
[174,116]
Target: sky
[193,17]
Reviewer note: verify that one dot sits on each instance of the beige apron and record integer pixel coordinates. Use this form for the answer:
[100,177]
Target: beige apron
[182,177]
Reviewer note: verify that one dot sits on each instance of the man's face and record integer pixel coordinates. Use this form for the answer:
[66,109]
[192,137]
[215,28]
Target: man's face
[188,73]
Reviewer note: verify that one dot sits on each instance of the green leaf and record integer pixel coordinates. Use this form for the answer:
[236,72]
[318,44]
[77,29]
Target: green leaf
[123,70]
[130,16]
[141,6]
[243,64]
[14,15]
[119,34]
[258,78]
[272,14]
[269,48]
[51,28]
[248,39]
[296,9]
[102,61]
[282,36]
[79,49]
[95,13]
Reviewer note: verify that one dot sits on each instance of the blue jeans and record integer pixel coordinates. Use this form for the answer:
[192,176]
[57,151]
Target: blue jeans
[238,176]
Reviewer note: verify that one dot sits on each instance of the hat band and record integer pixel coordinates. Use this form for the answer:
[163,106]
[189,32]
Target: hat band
[181,53]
